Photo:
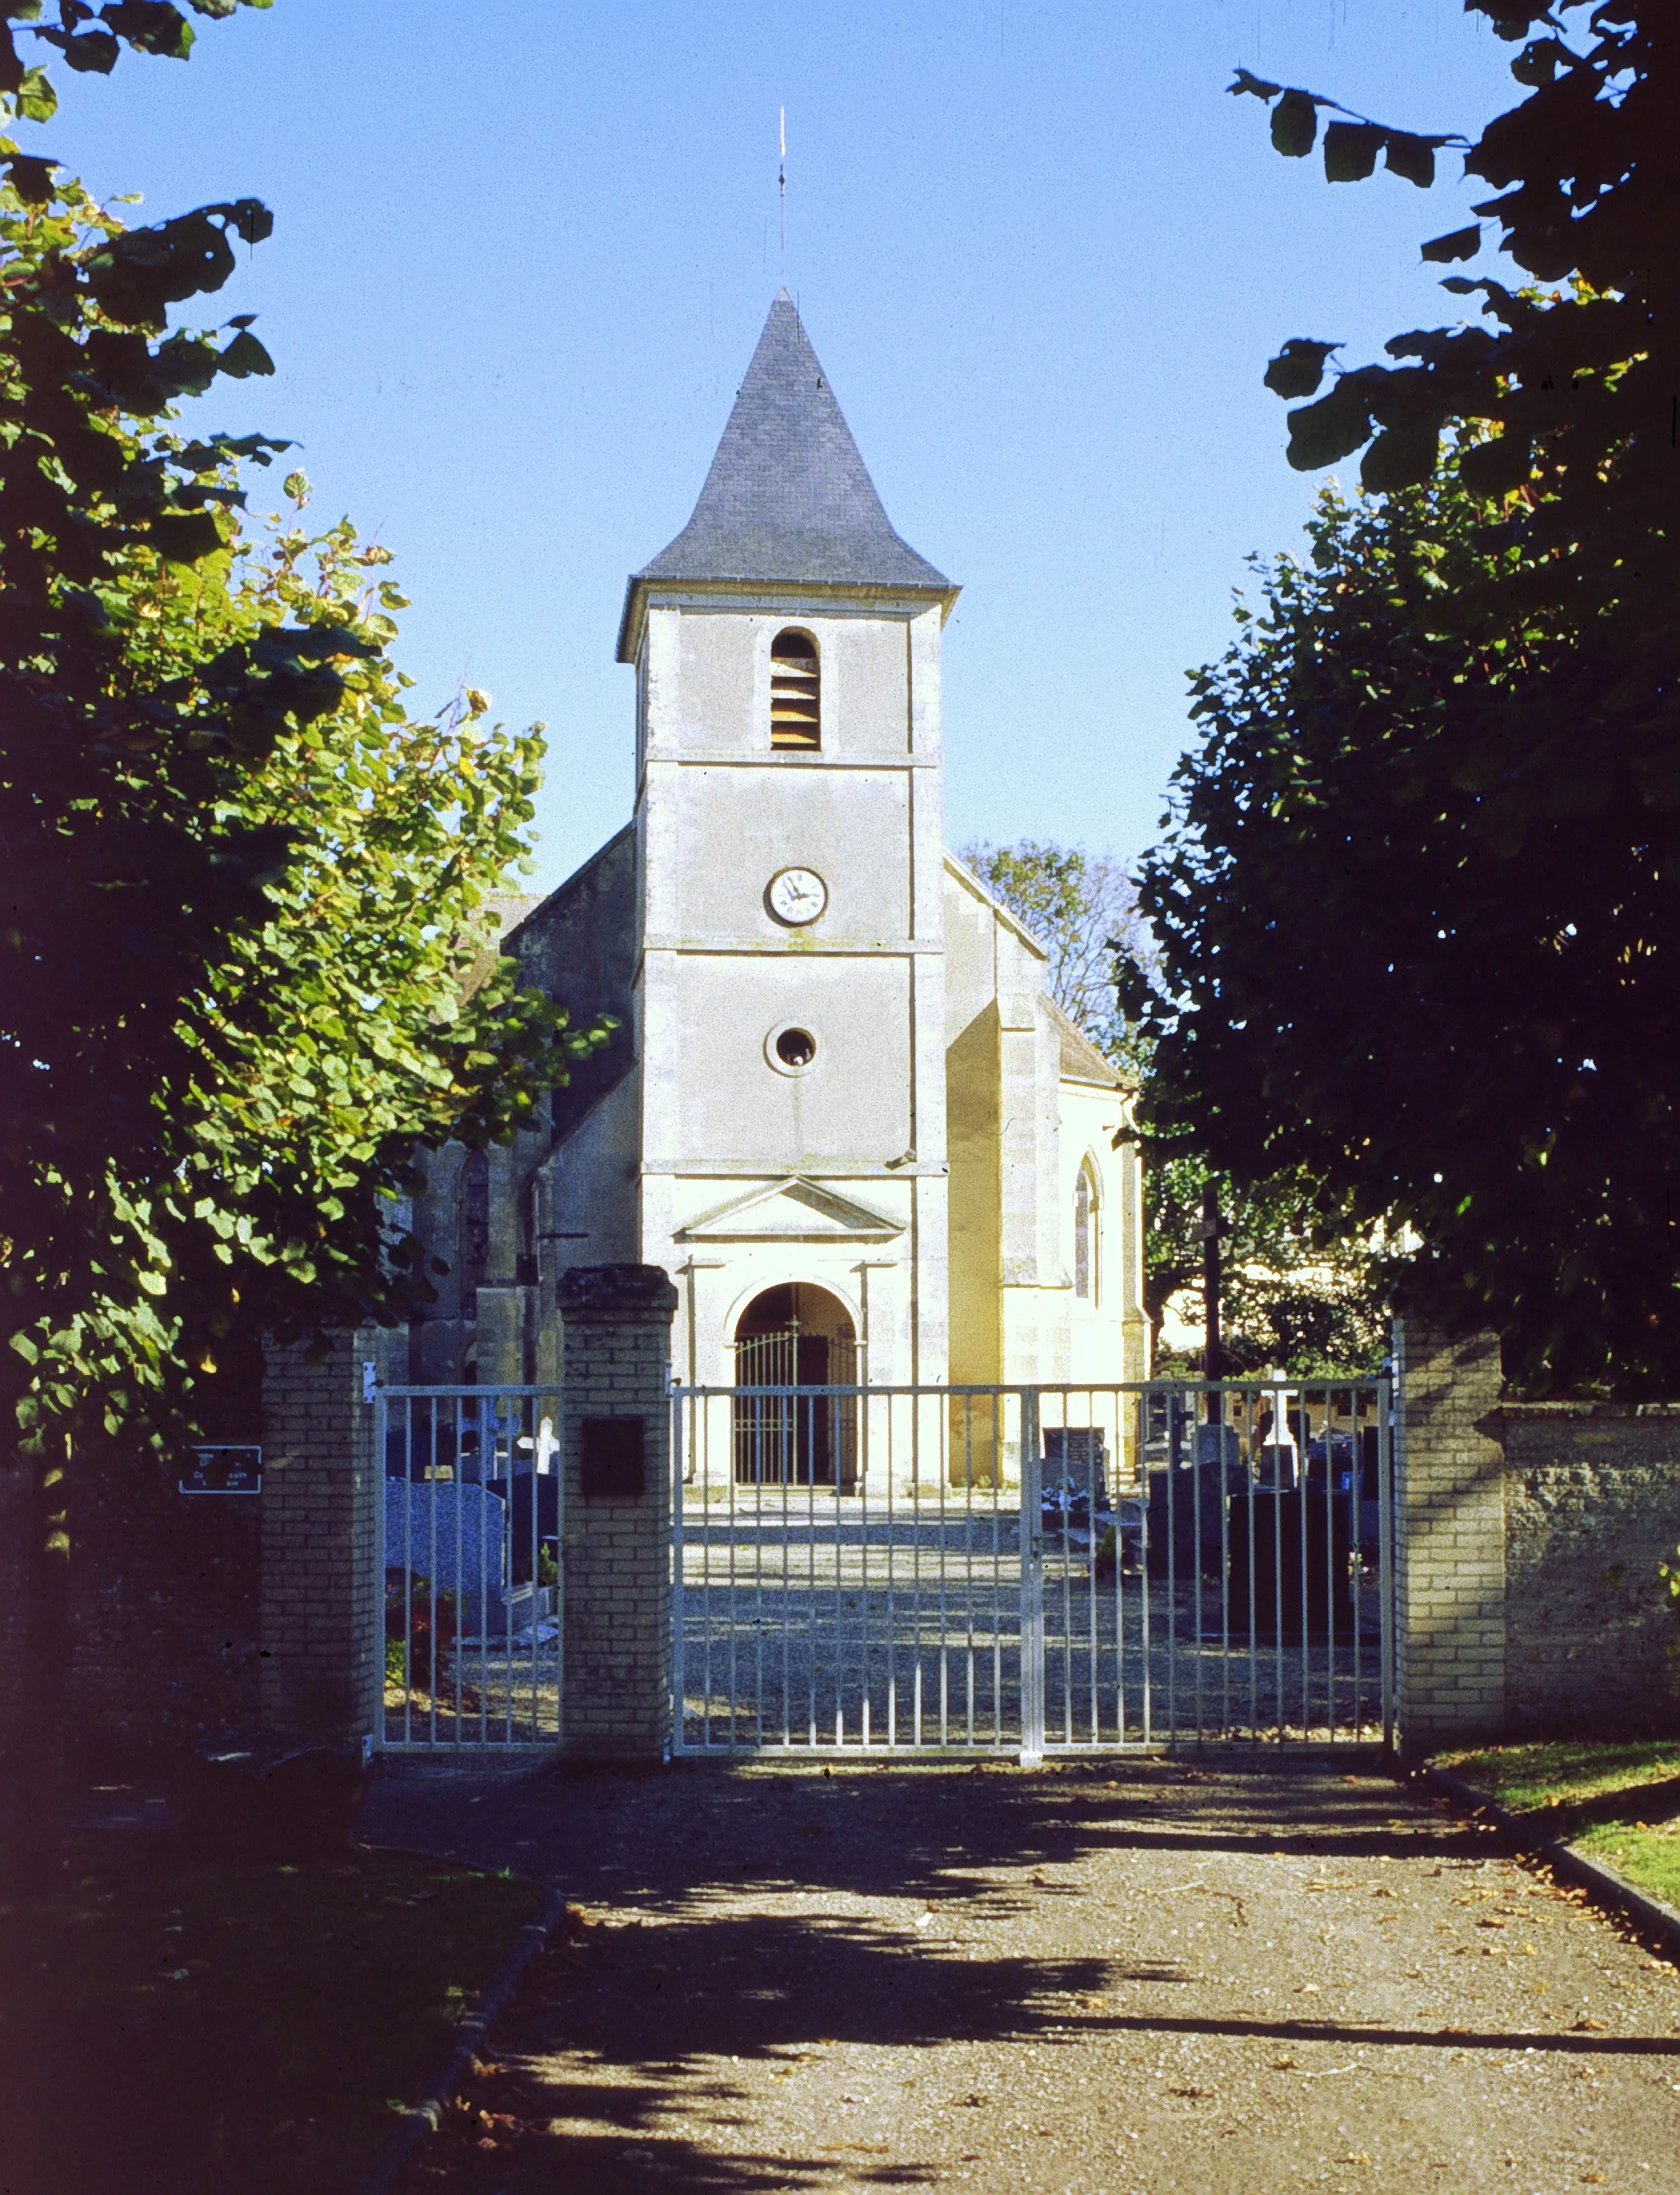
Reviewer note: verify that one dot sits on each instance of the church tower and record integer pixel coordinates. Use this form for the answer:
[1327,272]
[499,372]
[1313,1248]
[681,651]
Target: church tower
[789,993]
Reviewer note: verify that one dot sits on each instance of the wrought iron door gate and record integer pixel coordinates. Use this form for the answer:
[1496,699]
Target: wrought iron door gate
[1032,1569]
[469,1527]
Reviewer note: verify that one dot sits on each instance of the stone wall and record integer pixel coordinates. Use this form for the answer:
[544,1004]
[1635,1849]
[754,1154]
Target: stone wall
[1592,1506]
[1526,1594]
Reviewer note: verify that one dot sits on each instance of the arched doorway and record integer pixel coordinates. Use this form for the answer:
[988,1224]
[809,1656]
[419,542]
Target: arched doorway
[793,1336]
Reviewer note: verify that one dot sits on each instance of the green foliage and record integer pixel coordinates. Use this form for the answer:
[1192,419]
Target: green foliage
[1302,1291]
[248,895]
[1380,979]
[1669,1576]
[1571,389]
[1417,910]
[1080,907]
[146,26]
[1299,1297]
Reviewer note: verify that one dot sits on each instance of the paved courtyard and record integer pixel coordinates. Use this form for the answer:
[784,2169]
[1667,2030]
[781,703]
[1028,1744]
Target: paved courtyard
[1154,1976]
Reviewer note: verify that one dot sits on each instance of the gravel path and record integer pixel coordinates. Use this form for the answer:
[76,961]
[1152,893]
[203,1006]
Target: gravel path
[1095,1978]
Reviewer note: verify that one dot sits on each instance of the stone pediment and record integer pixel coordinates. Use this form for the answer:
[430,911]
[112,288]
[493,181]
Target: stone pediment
[790,1211]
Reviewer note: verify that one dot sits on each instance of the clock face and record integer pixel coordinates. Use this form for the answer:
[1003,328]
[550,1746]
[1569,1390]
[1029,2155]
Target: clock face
[797,896]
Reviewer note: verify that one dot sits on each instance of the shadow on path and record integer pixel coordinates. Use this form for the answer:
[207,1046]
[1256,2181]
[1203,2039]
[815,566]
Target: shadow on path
[790,1977]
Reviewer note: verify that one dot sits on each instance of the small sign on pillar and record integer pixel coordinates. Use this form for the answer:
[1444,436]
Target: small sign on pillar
[613,1462]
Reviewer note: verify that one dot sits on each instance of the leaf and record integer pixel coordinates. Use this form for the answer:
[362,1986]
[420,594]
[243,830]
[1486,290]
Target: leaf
[1401,457]
[93,54]
[185,537]
[248,218]
[1497,466]
[1256,85]
[151,27]
[1319,433]
[1457,243]
[1298,367]
[1539,63]
[1295,124]
[1351,150]
[36,100]
[244,356]
[1412,157]
[31,178]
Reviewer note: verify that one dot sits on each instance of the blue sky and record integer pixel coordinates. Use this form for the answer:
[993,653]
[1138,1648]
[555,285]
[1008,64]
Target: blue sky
[523,250]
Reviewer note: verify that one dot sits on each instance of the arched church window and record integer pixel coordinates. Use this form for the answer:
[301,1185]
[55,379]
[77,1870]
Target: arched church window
[1085,1232]
[473,1254]
[796,692]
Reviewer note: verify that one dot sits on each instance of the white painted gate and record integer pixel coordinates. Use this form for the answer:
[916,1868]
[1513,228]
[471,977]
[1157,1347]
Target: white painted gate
[470,1521]
[1031,1570]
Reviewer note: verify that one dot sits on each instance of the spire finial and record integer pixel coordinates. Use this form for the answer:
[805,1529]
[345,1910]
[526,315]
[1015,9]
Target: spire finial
[781,187]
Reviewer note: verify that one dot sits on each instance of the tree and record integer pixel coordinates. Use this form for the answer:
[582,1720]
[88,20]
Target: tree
[1295,1297]
[1444,1041]
[1078,906]
[246,890]
[1417,909]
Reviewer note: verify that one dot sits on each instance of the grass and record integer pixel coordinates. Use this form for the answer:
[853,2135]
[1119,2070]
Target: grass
[1534,1779]
[1618,1800]
[1647,1853]
[174,2026]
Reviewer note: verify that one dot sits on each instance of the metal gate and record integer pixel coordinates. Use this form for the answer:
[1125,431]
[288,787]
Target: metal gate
[1032,1569]
[469,1524]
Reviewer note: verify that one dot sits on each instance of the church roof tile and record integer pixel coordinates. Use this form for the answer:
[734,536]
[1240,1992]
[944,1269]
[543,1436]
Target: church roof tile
[789,498]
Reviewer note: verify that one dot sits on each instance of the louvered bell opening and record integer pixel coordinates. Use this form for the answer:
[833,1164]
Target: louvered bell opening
[796,693]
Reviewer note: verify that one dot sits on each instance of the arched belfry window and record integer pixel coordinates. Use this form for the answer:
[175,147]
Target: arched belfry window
[1085,1232]
[796,692]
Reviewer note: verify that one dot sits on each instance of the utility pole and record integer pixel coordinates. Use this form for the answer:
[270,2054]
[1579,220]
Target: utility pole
[1213,1354]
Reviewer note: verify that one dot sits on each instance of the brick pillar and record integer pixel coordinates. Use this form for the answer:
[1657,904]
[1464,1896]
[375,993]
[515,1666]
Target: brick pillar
[616,1540]
[319,1671]
[1450,1552]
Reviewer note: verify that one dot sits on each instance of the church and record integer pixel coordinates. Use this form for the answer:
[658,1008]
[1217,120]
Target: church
[838,1106]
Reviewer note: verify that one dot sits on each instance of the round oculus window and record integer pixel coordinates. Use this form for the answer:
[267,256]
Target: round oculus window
[791,1049]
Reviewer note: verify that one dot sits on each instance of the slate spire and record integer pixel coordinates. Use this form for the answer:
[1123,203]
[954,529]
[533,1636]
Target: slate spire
[788,498]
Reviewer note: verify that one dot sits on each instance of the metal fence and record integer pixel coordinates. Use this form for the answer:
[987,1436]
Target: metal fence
[1031,1570]
[470,1521]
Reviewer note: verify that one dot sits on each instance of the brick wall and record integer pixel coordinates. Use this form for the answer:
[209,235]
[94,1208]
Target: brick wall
[616,1552]
[1592,1506]
[1450,1553]
[164,1609]
[321,1661]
